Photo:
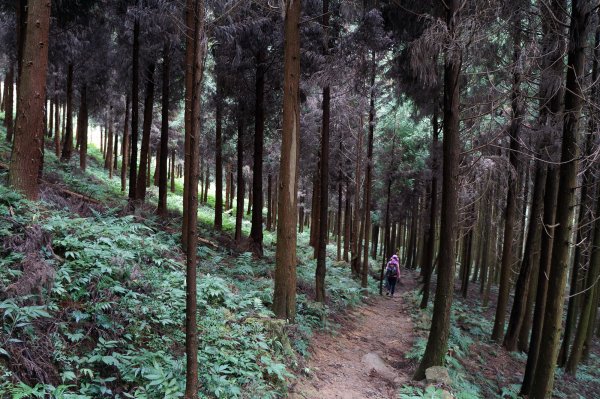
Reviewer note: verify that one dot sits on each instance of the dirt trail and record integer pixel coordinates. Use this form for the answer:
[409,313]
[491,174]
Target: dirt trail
[338,365]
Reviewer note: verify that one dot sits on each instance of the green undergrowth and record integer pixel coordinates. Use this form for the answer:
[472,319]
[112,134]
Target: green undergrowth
[471,325]
[94,306]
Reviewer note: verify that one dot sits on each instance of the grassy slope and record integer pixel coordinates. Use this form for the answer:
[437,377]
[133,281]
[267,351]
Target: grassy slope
[109,323]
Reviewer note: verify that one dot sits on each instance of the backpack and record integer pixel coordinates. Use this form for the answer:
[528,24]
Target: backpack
[392,270]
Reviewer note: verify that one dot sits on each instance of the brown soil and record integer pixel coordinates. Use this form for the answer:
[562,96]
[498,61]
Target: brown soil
[383,327]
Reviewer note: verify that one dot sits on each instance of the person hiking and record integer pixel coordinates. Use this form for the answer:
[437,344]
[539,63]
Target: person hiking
[392,274]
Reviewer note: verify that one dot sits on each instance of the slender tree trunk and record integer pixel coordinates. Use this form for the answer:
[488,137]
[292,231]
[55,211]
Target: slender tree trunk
[357,225]
[82,121]
[324,175]
[198,41]
[125,147]
[256,232]
[26,157]
[109,151]
[369,176]
[387,234]
[218,224]
[239,209]
[284,297]
[227,186]
[527,267]
[437,344]
[588,301]
[10,100]
[164,133]
[544,373]
[542,283]
[430,240]
[145,149]
[116,151]
[173,170]
[347,219]
[135,89]
[56,127]
[511,201]
[315,209]
[68,144]
[269,204]
[339,218]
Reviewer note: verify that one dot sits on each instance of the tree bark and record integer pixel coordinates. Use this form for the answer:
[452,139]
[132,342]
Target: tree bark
[218,223]
[284,297]
[26,157]
[437,343]
[125,147]
[430,239]
[10,100]
[269,204]
[145,149]
[164,133]
[135,89]
[324,174]
[239,208]
[198,41]
[369,176]
[68,144]
[522,293]
[513,186]
[544,373]
[82,121]
[256,231]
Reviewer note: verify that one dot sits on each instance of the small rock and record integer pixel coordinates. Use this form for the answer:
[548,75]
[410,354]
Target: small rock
[438,375]
[374,362]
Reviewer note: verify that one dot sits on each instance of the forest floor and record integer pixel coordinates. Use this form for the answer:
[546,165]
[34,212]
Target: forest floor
[362,359]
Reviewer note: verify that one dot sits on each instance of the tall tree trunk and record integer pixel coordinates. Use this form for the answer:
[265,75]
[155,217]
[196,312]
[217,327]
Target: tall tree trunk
[82,121]
[347,227]
[356,222]
[145,149]
[522,293]
[548,233]
[588,301]
[173,170]
[218,224]
[239,208]
[437,344]
[369,176]
[513,186]
[386,239]
[256,232]
[339,218]
[135,95]
[26,157]
[109,151]
[324,174]
[430,240]
[269,204]
[56,127]
[198,41]
[68,144]
[125,146]
[164,133]
[284,296]
[544,373]
[314,208]
[116,151]
[21,33]
[10,100]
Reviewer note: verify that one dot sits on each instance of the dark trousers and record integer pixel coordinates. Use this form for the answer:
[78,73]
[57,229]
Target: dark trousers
[391,284]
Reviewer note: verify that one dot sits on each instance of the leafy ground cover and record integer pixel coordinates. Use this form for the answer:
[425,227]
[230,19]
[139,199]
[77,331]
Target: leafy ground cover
[480,368]
[93,299]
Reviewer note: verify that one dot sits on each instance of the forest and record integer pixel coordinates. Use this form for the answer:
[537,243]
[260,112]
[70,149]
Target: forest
[299,199]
